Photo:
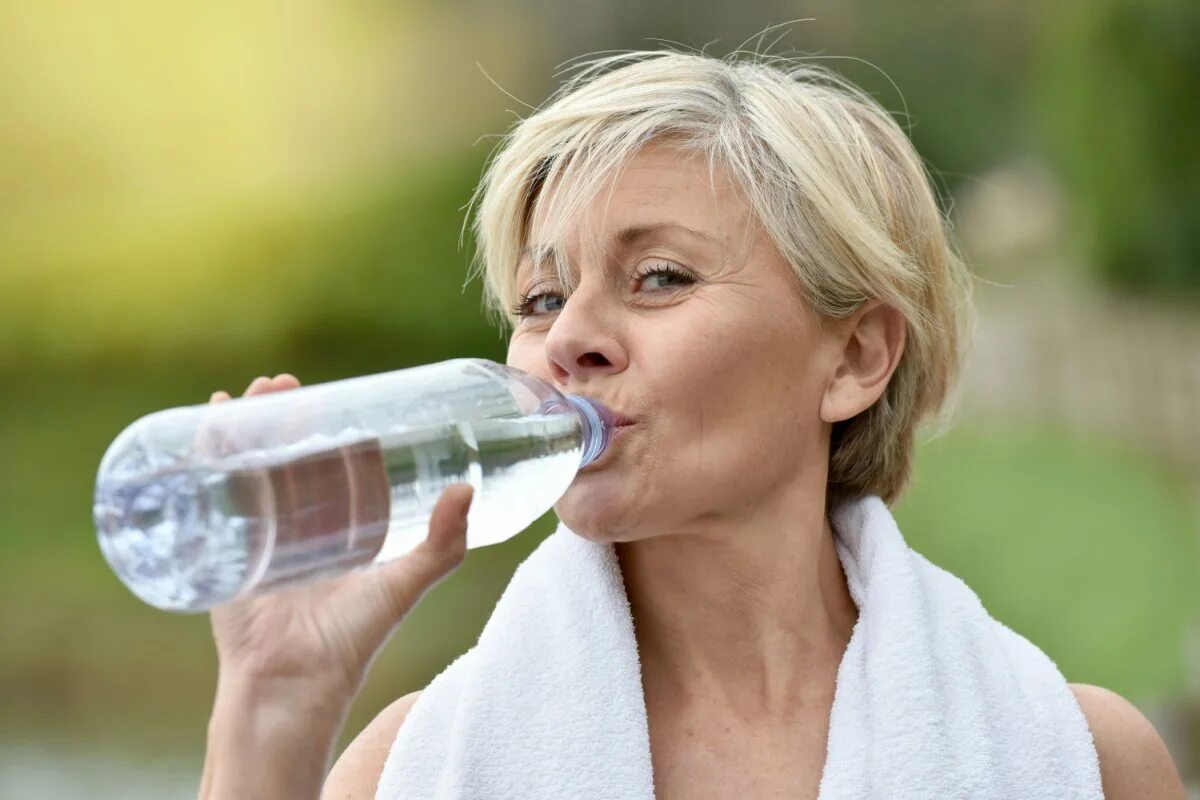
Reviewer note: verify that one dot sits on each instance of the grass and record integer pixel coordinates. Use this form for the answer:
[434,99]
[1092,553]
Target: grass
[1085,548]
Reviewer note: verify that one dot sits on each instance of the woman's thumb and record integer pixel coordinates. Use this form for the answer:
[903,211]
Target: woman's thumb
[406,580]
[448,522]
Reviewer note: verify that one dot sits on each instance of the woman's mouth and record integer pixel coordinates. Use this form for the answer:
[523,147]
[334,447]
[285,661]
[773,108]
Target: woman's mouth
[619,432]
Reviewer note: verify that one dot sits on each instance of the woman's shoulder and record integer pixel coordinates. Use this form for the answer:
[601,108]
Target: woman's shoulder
[356,774]
[1134,761]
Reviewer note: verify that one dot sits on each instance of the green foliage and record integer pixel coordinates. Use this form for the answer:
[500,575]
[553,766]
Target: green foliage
[364,264]
[1120,108]
[391,272]
[953,78]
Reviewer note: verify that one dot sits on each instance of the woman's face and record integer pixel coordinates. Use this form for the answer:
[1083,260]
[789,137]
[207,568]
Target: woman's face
[684,318]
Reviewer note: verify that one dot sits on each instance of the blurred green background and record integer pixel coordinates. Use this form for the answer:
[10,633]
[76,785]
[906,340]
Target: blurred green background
[192,195]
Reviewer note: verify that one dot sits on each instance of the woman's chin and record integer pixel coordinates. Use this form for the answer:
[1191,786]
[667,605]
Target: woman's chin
[592,508]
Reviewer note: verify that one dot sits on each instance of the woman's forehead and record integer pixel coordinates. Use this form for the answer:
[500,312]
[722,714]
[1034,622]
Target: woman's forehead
[661,192]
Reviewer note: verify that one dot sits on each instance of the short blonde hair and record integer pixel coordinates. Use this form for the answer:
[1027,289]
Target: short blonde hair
[831,177]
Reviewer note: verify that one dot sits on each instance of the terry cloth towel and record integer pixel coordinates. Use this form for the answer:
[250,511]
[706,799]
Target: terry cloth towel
[934,697]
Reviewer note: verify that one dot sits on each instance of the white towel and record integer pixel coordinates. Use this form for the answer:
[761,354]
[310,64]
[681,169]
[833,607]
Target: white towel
[934,697]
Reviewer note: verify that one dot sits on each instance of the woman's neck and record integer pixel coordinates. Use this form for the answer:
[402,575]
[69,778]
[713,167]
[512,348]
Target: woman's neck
[751,617]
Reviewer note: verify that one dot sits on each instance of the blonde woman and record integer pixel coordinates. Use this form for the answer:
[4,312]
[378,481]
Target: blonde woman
[745,258]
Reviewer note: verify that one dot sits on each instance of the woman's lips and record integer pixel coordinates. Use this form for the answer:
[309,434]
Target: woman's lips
[618,433]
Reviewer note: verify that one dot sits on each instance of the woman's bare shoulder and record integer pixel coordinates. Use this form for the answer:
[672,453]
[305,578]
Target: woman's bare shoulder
[355,776]
[1134,761]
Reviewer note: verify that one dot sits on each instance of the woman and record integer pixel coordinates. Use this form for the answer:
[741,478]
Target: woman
[760,279]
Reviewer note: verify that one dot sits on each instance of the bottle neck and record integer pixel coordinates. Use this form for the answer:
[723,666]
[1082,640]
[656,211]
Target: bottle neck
[596,422]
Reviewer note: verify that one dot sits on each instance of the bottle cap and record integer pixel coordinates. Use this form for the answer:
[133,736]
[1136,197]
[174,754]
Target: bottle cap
[598,426]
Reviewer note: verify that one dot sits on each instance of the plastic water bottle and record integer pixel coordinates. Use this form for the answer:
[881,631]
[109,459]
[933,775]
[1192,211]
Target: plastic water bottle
[199,505]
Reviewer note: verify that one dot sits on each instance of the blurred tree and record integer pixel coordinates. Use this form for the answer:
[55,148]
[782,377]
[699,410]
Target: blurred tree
[387,284]
[952,74]
[1119,107]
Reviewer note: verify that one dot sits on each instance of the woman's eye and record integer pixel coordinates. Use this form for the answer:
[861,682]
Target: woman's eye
[527,306]
[659,273]
[660,268]
[551,296]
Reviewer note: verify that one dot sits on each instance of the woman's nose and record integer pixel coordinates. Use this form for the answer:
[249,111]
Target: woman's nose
[582,343]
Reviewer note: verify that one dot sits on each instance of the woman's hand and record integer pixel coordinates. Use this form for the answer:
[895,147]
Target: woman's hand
[292,660]
[326,633]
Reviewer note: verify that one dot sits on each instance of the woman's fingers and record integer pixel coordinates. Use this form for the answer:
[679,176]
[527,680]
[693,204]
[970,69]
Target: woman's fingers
[209,442]
[258,386]
[284,380]
[262,384]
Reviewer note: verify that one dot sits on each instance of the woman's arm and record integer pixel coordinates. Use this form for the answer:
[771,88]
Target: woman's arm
[1134,762]
[268,740]
[292,660]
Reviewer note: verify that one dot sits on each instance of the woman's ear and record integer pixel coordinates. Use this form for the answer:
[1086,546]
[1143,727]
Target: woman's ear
[871,341]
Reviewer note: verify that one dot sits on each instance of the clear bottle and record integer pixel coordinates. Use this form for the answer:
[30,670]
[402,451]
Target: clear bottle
[199,505]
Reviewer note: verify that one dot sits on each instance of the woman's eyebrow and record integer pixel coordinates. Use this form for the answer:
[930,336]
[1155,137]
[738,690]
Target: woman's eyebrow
[536,259]
[636,233]
[541,253]
[541,256]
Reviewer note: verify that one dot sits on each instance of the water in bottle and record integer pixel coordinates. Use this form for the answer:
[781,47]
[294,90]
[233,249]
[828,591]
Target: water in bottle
[200,505]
